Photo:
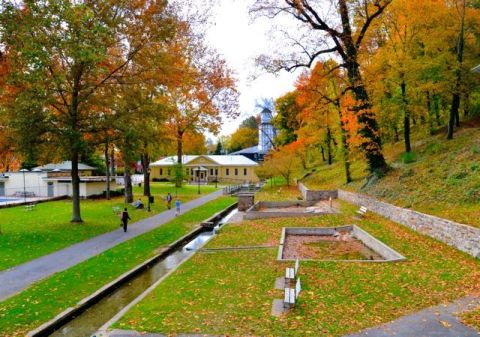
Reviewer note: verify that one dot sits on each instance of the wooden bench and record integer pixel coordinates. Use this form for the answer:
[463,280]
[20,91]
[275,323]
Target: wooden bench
[362,211]
[291,273]
[30,207]
[291,295]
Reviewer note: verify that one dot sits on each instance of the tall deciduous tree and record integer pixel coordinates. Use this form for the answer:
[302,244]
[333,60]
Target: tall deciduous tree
[64,53]
[340,31]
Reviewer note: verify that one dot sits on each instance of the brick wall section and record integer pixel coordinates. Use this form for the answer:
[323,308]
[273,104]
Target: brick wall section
[311,195]
[462,237]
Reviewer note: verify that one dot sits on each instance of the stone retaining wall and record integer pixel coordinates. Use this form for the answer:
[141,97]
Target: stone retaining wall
[462,237]
[311,195]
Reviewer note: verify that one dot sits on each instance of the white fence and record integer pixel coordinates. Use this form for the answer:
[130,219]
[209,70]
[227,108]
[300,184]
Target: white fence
[136,179]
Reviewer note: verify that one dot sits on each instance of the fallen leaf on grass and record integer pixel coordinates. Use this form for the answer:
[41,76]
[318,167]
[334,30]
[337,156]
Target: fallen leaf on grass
[445,324]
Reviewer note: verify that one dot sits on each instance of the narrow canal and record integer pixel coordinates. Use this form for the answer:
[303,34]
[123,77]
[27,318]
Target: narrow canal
[92,319]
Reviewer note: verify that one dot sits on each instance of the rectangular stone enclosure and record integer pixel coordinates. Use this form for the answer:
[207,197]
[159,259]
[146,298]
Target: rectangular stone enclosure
[345,243]
[286,209]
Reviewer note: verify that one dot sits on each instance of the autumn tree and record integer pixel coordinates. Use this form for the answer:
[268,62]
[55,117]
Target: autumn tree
[340,32]
[284,161]
[63,54]
[286,119]
[245,136]
[205,91]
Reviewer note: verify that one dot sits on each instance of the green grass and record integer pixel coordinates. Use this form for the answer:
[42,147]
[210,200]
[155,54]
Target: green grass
[444,179]
[27,235]
[231,292]
[277,192]
[49,297]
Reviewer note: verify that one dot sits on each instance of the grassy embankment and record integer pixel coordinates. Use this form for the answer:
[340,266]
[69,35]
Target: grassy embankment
[232,291]
[46,299]
[26,235]
[444,179]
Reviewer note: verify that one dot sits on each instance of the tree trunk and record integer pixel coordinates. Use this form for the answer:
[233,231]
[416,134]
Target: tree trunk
[146,173]
[372,145]
[346,148]
[406,118]
[396,136]
[329,146]
[112,161]
[454,119]
[76,217]
[178,182]
[323,153]
[127,177]
[107,169]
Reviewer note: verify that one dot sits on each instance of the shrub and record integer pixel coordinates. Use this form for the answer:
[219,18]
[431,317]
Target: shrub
[408,157]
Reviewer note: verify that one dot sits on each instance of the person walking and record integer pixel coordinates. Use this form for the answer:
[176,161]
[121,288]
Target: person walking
[125,218]
[169,201]
[177,207]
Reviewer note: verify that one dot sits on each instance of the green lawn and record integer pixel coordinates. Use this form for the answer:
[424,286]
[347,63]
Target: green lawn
[49,297]
[26,235]
[233,290]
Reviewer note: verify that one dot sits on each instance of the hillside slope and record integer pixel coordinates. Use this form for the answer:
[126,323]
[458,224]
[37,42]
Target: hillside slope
[444,179]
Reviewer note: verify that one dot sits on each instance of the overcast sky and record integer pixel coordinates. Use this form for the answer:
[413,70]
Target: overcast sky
[240,41]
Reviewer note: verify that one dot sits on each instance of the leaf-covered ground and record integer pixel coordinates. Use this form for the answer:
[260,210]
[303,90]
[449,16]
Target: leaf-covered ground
[444,179]
[26,235]
[49,297]
[231,292]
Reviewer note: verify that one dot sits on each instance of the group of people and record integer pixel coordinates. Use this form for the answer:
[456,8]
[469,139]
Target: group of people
[124,217]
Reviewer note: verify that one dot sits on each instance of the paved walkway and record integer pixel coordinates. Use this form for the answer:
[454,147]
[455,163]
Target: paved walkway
[439,321]
[18,278]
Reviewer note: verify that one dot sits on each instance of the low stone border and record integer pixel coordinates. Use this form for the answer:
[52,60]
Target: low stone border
[49,327]
[311,195]
[254,212]
[463,237]
[387,253]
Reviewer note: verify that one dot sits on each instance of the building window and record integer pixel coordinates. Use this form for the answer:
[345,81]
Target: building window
[236,172]
[227,172]
[244,171]
[216,172]
[161,172]
[211,172]
[168,172]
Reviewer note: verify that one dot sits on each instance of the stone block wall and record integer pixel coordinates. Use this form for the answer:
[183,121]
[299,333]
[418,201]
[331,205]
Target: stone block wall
[463,237]
[311,195]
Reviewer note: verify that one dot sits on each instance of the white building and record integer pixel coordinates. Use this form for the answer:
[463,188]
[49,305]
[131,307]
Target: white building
[52,180]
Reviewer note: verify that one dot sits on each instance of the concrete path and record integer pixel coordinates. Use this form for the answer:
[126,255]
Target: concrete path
[439,321]
[18,278]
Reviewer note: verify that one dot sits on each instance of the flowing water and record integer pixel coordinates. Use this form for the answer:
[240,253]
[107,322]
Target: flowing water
[89,321]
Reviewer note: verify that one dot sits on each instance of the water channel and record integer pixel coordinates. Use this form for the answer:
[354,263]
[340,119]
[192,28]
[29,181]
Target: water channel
[92,319]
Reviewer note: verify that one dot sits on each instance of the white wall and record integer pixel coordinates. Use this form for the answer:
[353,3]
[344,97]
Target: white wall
[33,183]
